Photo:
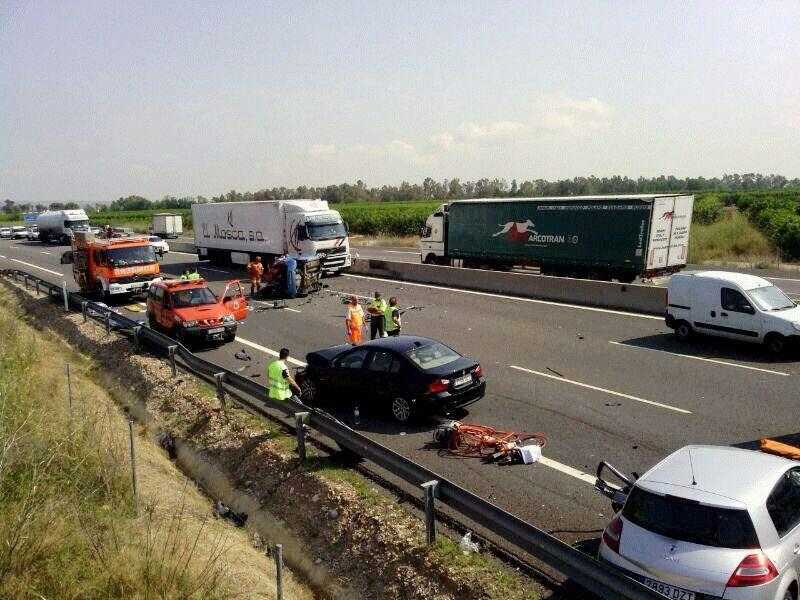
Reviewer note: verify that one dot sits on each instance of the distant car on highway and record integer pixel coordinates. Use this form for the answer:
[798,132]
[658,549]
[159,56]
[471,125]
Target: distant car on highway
[5,232]
[19,232]
[732,305]
[32,233]
[403,376]
[159,245]
[711,522]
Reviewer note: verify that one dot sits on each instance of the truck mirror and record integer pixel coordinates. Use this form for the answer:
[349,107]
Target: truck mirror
[66,258]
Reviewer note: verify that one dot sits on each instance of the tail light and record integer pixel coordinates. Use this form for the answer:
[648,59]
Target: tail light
[438,386]
[755,569]
[612,534]
[478,372]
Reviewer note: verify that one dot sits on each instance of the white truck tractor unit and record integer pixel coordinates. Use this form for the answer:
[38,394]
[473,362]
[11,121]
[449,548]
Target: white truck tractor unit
[60,225]
[234,232]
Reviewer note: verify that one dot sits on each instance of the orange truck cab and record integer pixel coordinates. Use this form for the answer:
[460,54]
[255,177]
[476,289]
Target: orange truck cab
[190,311]
[112,267]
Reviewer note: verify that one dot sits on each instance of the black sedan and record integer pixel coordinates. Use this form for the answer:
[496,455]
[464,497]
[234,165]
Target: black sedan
[404,375]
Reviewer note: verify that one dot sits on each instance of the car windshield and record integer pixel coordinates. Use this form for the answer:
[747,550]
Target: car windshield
[432,356]
[135,255]
[690,521]
[770,298]
[326,231]
[192,297]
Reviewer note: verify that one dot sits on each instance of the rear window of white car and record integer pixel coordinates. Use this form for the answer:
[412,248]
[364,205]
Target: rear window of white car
[690,521]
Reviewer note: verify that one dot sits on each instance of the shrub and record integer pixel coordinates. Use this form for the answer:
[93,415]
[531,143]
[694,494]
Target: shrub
[708,209]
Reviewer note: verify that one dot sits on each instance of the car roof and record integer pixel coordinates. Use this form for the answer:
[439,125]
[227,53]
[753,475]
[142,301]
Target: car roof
[173,285]
[723,475]
[743,280]
[400,343]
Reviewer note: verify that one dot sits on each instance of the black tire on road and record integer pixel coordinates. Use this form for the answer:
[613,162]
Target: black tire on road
[683,331]
[775,343]
[401,410]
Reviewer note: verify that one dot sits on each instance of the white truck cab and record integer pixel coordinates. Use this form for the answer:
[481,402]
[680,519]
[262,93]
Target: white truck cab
[732,305]
[431,244]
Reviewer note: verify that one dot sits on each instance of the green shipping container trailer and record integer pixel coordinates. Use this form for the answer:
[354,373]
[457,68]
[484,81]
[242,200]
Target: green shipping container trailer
[600,237]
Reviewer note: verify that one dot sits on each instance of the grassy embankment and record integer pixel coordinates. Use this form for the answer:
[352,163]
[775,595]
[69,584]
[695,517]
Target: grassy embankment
[69,525]
[733,238]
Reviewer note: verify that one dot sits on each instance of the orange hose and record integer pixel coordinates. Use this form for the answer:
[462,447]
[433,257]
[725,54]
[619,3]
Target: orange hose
[471,440]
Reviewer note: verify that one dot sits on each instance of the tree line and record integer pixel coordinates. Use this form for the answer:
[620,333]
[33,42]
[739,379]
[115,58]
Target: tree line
[448,189]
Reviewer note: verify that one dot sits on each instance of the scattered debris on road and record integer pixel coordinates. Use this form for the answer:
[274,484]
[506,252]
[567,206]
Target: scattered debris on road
[479,441]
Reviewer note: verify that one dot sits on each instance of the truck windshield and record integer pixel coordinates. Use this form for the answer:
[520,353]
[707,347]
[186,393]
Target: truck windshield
[326,231]
[77,225]
[770,298]
[689,521]
[433,356]
[192,297]
[136,255]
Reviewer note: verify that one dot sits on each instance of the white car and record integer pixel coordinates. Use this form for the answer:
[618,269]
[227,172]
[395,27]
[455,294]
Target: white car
[5,232]
[711,522]
[159,245]
[32,234]
[18,232]
[732,305]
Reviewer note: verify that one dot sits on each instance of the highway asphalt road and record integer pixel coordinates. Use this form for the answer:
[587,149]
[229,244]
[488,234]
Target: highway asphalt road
[601,384]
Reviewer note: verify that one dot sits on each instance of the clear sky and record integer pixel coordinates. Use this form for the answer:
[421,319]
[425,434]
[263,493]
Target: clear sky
[105,99]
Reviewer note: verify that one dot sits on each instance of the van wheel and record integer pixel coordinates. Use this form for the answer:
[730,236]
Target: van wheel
[683,331]
[775,343]
[401,410]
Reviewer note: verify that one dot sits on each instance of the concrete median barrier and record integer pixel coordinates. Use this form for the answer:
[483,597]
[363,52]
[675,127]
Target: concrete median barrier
[187,247]
[605,294]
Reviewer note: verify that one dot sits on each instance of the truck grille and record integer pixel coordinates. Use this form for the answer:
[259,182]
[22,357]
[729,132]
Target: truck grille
[134,278]
[334,257]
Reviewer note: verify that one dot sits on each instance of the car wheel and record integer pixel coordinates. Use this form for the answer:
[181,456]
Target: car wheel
[775,343]
[683,331]
[309,392]
[789,595]
[401,410]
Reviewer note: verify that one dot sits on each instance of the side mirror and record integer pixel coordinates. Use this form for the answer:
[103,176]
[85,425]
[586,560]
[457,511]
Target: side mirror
[749,310]
[67,258]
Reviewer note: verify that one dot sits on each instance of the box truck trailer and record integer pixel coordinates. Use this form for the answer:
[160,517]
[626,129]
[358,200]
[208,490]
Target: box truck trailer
[167,225]
[60,225]
[235,232]
[596,237]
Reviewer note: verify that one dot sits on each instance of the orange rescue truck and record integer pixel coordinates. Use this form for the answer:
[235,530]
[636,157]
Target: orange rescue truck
[190,312]
[112,267]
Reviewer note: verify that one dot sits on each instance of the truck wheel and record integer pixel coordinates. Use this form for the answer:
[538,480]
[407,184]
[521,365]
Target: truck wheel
[429,259]
[683,331]
[775,343]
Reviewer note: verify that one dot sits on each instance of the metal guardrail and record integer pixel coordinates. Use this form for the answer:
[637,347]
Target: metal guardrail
[581,568]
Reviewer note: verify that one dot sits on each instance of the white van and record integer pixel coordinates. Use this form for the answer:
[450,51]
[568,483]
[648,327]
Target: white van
[732,305]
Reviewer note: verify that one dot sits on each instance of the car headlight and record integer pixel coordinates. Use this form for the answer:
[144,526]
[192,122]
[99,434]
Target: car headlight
[228,319]
[796,325]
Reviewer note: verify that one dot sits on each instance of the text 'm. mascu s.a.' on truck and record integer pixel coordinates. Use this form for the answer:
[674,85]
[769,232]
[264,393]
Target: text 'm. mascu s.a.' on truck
[234,232]
[596,237]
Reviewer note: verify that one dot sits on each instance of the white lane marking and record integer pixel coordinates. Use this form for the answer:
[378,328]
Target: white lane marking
[348,295]
[215,270]
[289,308]
[604,390]
[269,351]
[37,267]
[45,252]
[547,462]
[711,360]
[402,252]
[780,279]
[185,253]
[504,297]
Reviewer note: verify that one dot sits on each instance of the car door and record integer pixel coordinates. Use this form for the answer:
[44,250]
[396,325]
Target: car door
[383,377]
[234,300]
[349,378]
[166,316]
[783,507]
[155,303]
[738,318]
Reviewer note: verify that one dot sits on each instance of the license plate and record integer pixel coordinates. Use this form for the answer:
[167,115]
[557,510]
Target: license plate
[216,330]
[669,591]
[463,380]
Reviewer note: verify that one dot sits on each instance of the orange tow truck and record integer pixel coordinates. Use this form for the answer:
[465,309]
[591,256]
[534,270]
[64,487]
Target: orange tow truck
[189,311]
[112,267]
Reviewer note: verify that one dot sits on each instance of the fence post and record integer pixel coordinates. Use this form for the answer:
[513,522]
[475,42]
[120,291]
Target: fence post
[300,431]
[220,377]
[108,322]
[171,351]
[430,508]
[133,467]
[38,293]
[136,342]
[66,295]
[84,304]
[27,283]
[279,571]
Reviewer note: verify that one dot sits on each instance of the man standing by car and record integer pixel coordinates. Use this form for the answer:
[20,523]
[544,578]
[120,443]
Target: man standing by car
[280,380]
[255,270]
[392,318]
[377,311]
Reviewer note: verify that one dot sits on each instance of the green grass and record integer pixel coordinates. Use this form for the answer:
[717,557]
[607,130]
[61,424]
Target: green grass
[67,519]
[731,238]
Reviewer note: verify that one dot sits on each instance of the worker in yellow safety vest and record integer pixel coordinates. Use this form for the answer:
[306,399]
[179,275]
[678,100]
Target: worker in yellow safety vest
[280,380]
[377,309]
[392,321]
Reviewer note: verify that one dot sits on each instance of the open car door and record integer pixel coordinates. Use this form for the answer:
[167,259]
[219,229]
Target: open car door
[234,300]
